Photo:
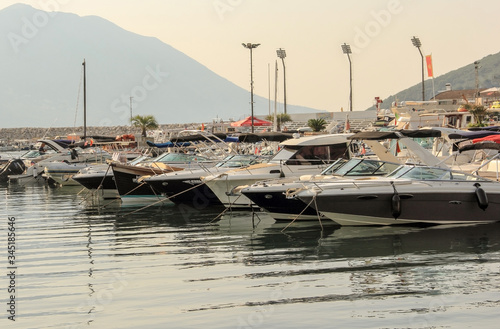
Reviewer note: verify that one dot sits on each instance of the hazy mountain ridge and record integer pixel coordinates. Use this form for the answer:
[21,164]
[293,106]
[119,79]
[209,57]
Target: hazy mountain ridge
[461,78]
[41,69]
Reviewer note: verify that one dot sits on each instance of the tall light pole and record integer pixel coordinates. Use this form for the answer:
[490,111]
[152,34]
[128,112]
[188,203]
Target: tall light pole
[476,67]
[251,46]
[416,42]
[131,109]
[346,49]
[282,54]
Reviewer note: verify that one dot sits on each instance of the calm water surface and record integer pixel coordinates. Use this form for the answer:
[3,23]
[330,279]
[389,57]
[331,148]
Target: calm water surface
[84,266]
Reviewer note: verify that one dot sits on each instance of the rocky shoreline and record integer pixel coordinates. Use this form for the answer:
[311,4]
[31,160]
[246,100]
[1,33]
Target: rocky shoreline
[31,134]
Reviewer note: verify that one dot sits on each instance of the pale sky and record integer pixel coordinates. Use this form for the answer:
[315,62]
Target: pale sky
[384,61]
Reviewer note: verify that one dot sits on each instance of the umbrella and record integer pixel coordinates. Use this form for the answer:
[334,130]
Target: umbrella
[247,122]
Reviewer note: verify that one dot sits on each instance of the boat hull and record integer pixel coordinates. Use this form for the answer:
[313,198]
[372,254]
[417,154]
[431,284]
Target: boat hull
[103,183]
[185,190]
[62,172]
[12,167]
[279,207]
[439,203]
[129,186]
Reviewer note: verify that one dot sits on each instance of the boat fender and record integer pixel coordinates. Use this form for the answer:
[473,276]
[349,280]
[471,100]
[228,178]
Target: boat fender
[482,198]
[395,203]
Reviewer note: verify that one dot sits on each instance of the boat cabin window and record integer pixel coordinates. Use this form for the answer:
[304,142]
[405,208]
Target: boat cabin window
[318,154]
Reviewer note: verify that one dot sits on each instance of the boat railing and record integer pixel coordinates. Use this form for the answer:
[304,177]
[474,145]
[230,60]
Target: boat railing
[476,172]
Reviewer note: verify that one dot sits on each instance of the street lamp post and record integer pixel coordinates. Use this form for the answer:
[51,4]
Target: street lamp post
[282,54]
[346,49]
[416,42]
[251,46]
[476,67]
[131,109]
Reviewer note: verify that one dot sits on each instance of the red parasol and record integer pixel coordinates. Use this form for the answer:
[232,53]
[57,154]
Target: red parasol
[247,122]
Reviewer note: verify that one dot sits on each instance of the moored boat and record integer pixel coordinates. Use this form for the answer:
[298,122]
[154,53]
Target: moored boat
[11,167]
[306,155]
[186,186]
[410,195]
[271,195]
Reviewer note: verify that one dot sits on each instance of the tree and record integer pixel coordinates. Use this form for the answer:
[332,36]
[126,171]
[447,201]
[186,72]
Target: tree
[281,118]
[478,112]
[144,123]
[316,124]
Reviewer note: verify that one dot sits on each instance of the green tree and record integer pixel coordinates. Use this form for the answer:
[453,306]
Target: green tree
[478,112]
[316,124]
[281,118]
[144,123]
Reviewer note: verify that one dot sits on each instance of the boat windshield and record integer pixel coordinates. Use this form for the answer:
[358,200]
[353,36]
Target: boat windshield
[431,173]
[139,159]
[36,153]
[237,161]
[334,167]
[284,154]
[180,157]
[366,167]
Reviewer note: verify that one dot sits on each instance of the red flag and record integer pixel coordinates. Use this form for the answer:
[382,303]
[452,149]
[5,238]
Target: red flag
[428,60]
[347,125]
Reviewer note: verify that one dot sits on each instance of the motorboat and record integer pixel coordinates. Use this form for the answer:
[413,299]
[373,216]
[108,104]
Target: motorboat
[129,178]
[62,171]
[61,156]
[300,156]
[271,195]
[100,178]
[410,195]
[186,186]
[11,167]
[45,150]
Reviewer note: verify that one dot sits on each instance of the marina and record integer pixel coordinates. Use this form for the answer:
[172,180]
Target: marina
[83,260]
[245,165]
[81,266]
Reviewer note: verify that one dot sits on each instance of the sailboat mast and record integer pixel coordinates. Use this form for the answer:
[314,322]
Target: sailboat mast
[275,121]
[84,101]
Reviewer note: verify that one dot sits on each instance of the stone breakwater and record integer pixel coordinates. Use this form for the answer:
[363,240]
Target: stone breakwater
[34,133]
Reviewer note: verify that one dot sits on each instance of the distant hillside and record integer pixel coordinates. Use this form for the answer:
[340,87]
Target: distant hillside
[462,78]
[41,70]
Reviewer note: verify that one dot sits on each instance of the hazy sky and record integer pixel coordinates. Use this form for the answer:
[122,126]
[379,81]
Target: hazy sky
[384,61]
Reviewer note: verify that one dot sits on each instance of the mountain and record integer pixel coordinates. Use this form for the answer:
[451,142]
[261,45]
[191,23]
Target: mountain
[41,75]
[462,78]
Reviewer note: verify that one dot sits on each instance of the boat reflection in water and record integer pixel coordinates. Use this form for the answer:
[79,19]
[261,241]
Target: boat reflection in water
[368,241]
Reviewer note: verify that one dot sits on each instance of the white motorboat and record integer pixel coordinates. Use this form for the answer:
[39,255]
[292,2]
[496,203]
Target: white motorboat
[62,171]
[305,155]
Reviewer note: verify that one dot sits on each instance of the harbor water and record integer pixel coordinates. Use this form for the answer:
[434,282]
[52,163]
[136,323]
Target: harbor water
[79,263]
